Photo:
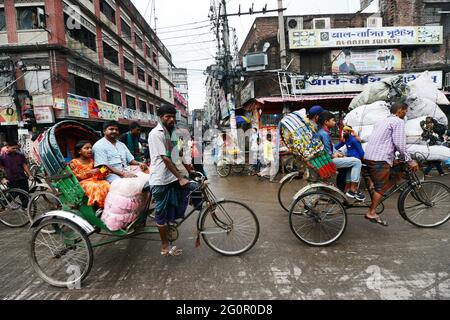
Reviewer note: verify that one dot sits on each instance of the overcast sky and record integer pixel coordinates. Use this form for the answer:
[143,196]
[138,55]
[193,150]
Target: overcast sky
[175,12]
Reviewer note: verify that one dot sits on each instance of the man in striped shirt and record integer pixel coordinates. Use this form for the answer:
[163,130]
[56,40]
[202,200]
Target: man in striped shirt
[388,137]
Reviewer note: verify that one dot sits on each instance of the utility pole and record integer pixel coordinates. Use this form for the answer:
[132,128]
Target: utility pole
[281,30]
[226,45]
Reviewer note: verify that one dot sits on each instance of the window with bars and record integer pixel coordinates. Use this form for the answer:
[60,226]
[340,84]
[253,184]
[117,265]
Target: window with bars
[139,43]
[131,102]
[432,16]
[128,65]
[142,106]
[108,11]
[30,18]
[82,35]
[150,80]
[110,53]
[126,30]
[86,88]
[2,20]
[113,96]
[141,74]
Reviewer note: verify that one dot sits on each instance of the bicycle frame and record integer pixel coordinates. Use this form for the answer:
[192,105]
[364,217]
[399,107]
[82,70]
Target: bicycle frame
[207,197]
[410,181]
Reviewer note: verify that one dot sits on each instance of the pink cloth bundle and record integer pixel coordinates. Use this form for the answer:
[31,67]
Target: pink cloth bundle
[120,211]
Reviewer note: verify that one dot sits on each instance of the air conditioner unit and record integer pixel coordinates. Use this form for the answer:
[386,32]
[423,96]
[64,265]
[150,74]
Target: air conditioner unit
[294,23]
[255,61]
[374,22]
[322,23]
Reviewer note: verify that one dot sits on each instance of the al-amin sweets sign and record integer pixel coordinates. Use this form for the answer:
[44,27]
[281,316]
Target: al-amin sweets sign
[365,37]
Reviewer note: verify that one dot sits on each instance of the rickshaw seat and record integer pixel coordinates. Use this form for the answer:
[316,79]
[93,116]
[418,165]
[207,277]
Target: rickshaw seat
[59,141]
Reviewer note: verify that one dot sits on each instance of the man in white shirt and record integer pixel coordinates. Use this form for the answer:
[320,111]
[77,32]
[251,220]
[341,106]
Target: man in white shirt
[112,153]
[165,179]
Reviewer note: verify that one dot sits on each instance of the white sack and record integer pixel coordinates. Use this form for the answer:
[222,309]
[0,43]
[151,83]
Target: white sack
[413,127]
[364,132]
[368,114]
[422,107]
[433,153]
[424,87]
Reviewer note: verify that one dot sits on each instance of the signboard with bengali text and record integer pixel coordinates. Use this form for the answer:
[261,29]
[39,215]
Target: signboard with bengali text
[365,37]
[77,106]
[333,84]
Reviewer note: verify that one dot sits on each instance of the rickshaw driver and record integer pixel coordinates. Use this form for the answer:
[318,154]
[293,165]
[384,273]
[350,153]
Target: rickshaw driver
[388,137]
[165,179]
[113,154]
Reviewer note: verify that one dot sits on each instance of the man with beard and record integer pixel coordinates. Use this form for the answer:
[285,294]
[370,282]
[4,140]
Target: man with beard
[113,154]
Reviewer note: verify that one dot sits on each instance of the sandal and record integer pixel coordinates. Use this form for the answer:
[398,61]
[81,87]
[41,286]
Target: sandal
[377,220]
[173,252]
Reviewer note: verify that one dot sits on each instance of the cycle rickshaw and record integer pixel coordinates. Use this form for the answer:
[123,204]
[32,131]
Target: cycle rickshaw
[61,246]
[318,212]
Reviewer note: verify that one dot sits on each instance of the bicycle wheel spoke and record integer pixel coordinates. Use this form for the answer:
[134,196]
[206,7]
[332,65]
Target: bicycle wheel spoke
[322,223]
[230,229]
[427,205]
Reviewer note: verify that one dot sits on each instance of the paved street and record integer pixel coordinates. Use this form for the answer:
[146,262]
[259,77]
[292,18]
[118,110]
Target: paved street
[368,262]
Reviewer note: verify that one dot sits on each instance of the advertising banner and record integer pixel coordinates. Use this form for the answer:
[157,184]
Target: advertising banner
[365,37]
[107,111]
[77,106]
[44,114]
[8,116]
[94,111]
[360,61]
[59,104]
[333,84]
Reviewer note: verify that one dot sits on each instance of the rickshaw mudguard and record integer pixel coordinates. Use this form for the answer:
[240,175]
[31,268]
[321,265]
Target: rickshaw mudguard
[322,186]
[70,216]
[289,176]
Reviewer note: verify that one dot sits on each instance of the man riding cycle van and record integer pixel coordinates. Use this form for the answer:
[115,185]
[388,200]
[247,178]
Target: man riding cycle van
[327,121]
[388,137]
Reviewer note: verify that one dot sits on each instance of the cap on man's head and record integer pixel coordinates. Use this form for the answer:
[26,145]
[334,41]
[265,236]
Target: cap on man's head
[315,111]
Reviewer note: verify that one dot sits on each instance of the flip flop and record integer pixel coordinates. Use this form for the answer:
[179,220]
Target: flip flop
[173,252]
[377,220]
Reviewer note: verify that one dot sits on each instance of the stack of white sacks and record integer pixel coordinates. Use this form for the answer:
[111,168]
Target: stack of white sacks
[423,100]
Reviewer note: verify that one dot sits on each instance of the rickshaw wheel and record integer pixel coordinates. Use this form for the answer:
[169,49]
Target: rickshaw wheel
[223,169]
[317,218]
[62,258]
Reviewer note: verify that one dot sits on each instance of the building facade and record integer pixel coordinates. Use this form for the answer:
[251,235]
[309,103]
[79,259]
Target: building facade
[182,110]
[180,80]
[90,60]
[212,108]
[332,58]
